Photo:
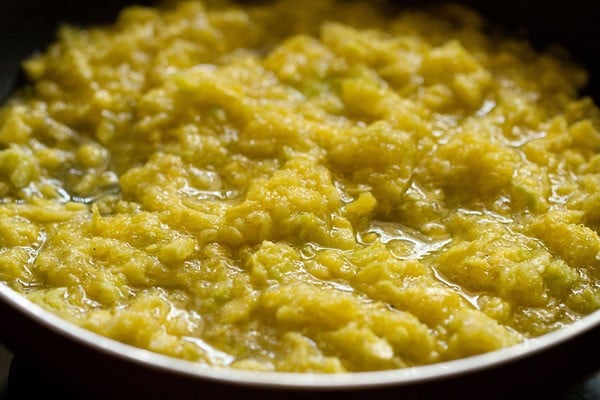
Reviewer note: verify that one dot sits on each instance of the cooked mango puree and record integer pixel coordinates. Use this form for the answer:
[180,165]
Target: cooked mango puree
[302,186]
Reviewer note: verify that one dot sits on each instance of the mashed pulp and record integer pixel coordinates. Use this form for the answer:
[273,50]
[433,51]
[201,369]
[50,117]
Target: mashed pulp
[302,185]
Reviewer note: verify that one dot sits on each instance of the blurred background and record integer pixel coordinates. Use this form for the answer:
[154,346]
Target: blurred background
[573,24]
[5,358]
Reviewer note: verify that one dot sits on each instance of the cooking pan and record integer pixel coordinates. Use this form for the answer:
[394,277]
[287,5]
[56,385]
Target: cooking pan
[92,366]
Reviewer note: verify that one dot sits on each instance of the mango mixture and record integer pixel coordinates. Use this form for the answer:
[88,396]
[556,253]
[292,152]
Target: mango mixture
[302,185]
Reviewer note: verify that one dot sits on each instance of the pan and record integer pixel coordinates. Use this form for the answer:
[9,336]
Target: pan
[96,367]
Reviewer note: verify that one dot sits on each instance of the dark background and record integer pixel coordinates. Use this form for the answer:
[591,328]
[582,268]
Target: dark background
[29,25]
